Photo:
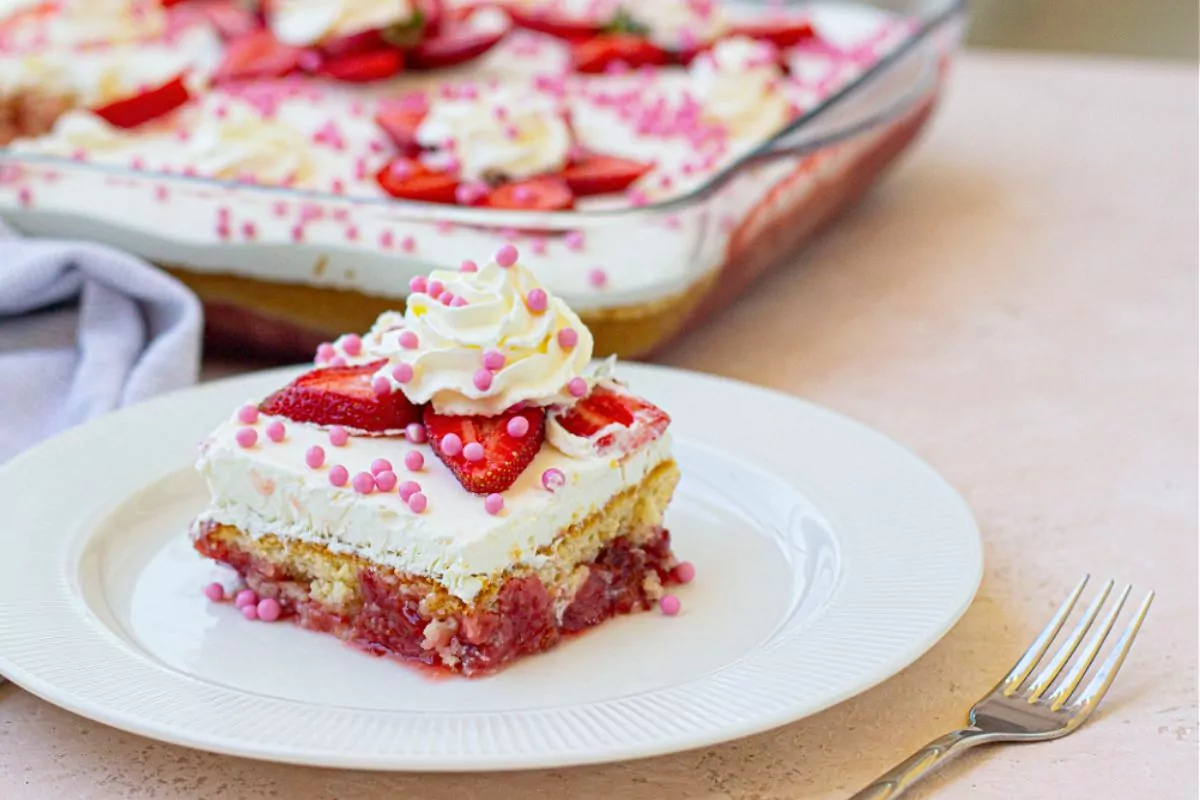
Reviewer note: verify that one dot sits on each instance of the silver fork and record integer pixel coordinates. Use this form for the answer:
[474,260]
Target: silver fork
[1010,713]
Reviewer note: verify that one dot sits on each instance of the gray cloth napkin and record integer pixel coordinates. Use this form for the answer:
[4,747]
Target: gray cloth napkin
[85,329]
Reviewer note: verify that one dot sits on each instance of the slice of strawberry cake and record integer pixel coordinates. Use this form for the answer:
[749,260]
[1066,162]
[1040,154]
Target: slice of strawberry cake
[457,487]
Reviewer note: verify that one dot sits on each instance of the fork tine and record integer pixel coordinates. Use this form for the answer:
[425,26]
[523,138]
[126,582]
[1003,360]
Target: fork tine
[1033,655]
[1094,692]
[1060,659]
[1084,662]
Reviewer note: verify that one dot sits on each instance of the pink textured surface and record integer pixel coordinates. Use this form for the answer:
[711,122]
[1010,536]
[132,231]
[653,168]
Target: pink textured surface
[1018,304]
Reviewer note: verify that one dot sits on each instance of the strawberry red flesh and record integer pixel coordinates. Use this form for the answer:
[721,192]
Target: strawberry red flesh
[258,55]
[553,23]
[505,456]
[400,124]
[342,396]
[409,179]
[142,107]
[453,45]
[605,407]
[363,67]
[362,42]
[546,193]
[781,33]
[601,52]
[595,174]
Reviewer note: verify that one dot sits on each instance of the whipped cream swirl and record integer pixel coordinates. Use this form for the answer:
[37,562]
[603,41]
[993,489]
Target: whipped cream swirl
[305,22]
[737,86]
[502,134]
[243,143]
[451,341]
[679,24]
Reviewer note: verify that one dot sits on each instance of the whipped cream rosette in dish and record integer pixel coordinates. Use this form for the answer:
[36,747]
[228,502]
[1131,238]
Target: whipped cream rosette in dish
[458,486]
[299,162]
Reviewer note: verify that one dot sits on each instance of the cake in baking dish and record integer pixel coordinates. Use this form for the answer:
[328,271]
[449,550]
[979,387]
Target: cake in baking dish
[457,487]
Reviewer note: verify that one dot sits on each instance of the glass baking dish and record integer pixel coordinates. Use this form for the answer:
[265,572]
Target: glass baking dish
[666,265]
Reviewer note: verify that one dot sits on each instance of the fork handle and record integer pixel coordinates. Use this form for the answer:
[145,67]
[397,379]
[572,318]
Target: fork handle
[896,781]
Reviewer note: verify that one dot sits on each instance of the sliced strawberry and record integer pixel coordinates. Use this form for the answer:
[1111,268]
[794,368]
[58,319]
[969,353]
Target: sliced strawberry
[781,33]
[400,124]
[554,23]
[231,20]
[363,67]
[132,111]
[342,396]
[505,456]
[547,193]
[593,174]
[433,13]
[599,53]
[454,45]
[409,179]
[363,42]
[256,56]
[611,419]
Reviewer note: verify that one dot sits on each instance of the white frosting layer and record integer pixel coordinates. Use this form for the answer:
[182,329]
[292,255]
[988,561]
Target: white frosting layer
[737,85]
[306,22]
[268,489]
[242,143]
[452,341]
[679,24]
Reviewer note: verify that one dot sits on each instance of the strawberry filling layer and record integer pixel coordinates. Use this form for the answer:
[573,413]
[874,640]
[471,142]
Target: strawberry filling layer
[391,619]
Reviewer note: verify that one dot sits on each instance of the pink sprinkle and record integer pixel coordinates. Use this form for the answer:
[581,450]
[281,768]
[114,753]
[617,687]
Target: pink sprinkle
[248,414]
[325,351]
[341,214]
[501,112]
[494,360]
[400,170]
[415,432]
[161,193]
[403,373]
[337,361]
[517,427]
[276,431]
[418,285]
[408,340]
[214,592]
[443,226]
[297,233]
[637,197]
[539,247]
[537,300]
[250,612]
[408,489]
[446,298]
[246,597]
[269,609]
[553,479]
[380,465]
[387,239]
[338,186]
[352,232]
[338,475]
[381,386]
[473,451]
[363,483]
[459,302]
[338,436]
[468,266]
[568,338]
[469,193]
[493,504]
[408,244]
[574,240]
[434,289]
[452,444]
[506,256]
[670,605]
[249,229]
[385,481]
[597,277]
[522,194]
[246,437]
[482,379]
[418,503]
[684,572]
[279,209]
[413,460]
[577,387]
[315,456]
[510,234]
[25,196]
[223,230]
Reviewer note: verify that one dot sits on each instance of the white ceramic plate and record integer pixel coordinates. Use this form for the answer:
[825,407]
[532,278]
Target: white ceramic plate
[828,558]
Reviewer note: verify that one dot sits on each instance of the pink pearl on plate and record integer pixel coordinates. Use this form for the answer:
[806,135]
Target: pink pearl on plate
[577,387]
[381,386]
[315,456]
[403,373]
[418,285]
[268,609]
[482,380]
[246,437]
[415,432]
[568,338]
[338,436]
[413,460]
[214,592]
[494,360]
[408,340]
[684,572]
[553,479]
[537,300]
[473,451]
[247,414]
[276,431]
[517,427]
[493,504]
[385,481]
[408,489]
[670,605]
[352,344]
[338,475]
[452,444]
[246,597]
[507,255]
[380,465]
[250,612]
[363,483]
[418,503]
[468,266]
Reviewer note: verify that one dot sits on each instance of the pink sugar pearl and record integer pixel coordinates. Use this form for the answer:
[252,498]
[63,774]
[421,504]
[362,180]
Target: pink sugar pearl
[325,352]
[246,437]
[537,300]
[338,475]
[381,386]
[385,481]
[408,489]
[314,456]
[684,572]
[473,451]
[246,597]
[597,277]
[276,431]
[418,502]
[670,605]
[568,338]
[418,284]
[413,460]
[337,361]
[214,592]
[468,266]
[459,302]
[517,427]
[352,344]
[493,504]
[250,612]
[574,240]
[363,483]
[482,379]
[247,414]
[408,340]
[435,289]
[338,436]
[415,432]
[553,479]
[577,387]
[506,256]
[403,373]
[380,465]
[268,609]
[452,444]
[494,360]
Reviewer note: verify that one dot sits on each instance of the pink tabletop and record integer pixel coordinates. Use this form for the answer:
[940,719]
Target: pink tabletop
[1018,305]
